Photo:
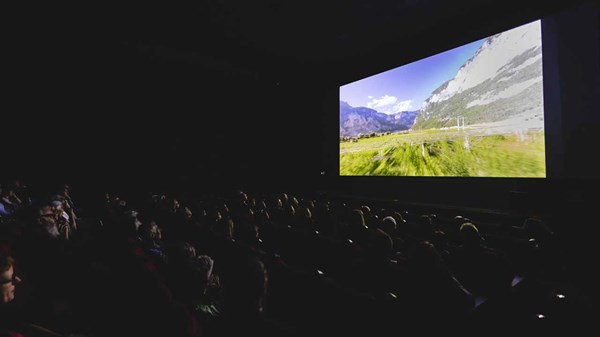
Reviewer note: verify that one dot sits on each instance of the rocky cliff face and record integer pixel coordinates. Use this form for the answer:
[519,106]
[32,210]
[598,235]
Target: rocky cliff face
[502,80]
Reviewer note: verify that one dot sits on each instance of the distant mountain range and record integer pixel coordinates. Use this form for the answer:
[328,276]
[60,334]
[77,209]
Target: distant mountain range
[503,79]
[361,120]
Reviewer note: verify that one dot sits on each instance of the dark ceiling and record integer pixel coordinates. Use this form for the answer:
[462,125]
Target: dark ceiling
[339,40]
[281,38]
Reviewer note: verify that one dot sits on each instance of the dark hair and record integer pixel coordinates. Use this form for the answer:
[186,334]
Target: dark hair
[5,263]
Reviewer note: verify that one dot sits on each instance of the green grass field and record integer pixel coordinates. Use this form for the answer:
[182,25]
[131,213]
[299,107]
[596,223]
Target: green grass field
[445,153]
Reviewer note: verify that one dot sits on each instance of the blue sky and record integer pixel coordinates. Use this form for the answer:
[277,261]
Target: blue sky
[406,87]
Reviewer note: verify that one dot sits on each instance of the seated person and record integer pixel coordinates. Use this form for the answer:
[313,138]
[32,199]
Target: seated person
[11,319]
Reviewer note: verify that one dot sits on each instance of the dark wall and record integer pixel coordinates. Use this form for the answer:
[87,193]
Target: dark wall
[108,112]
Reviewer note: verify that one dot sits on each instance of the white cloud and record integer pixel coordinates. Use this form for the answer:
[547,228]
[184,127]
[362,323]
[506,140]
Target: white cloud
[381,102]
[403,106]
[389,104]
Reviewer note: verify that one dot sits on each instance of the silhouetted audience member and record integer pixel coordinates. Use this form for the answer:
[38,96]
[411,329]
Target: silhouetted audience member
[12,319]
[245,284]
[205,297]
[424,227]
[434,294]
[388,225]
[324,220]
[151,239]
[356,227]
[10,202]
[544,255]
[484,270]
[375,271]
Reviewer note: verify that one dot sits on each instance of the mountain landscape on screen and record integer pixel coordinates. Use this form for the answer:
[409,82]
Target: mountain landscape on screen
[362,120]
[487,120]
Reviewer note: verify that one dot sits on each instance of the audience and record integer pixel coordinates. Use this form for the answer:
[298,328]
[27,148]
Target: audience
[222,265]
